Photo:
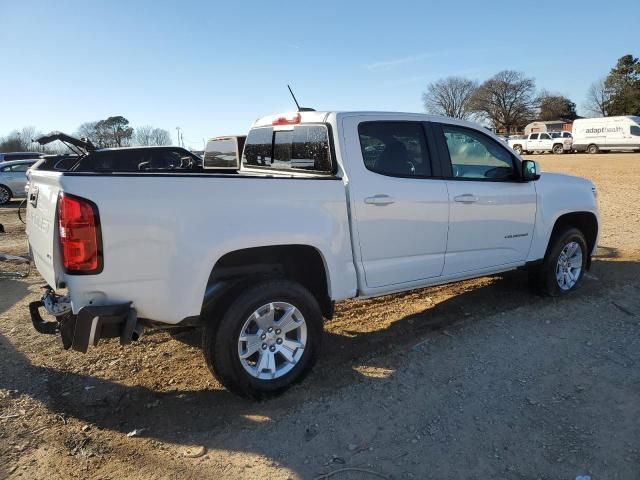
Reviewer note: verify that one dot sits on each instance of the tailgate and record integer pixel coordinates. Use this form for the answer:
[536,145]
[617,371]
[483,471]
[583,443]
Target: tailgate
[41,224]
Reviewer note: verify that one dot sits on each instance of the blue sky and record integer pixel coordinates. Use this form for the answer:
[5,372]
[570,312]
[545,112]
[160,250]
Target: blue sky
[214,67]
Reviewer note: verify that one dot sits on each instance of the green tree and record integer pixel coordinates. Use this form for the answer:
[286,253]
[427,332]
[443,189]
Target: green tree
[623,84]
[556,107]
[113,132]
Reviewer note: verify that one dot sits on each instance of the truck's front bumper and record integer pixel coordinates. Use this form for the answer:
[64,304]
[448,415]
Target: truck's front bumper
[90,324]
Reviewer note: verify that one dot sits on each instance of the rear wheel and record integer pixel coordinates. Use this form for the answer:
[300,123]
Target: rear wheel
[517,149]
[593,149]
[5,195]
[267,339]
[564,265]
[558,149]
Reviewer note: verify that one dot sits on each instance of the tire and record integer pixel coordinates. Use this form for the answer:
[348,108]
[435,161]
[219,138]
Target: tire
[269,303]
[5,195]
[518,149]
[558,149]
[593,149]
[549,278]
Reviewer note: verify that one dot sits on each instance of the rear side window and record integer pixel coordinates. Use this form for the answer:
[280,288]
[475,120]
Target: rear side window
[21,167]
[221,153]
[305,148]
[534,136]
[396,149]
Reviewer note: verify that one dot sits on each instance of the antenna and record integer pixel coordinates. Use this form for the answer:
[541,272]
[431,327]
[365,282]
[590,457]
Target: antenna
[300,109]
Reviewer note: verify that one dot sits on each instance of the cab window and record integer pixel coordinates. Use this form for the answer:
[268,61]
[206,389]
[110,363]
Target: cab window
[534,136]
[476,156]
[396,149]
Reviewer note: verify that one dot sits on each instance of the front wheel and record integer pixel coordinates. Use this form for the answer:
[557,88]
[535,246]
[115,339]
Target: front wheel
[267,339]
[564,265]
[5,195]
[593,149]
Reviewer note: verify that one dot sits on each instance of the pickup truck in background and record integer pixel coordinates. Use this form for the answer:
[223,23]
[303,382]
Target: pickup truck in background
[326,206]
[541,142]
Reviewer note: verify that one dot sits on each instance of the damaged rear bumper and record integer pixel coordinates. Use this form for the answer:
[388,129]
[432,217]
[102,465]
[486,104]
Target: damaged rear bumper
[91,323]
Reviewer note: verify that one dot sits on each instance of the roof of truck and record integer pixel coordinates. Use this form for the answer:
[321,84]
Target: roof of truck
[312,117]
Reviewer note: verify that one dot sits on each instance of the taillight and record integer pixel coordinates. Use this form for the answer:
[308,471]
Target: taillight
[80,238]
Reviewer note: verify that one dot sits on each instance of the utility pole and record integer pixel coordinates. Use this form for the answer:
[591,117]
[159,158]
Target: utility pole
[178,130]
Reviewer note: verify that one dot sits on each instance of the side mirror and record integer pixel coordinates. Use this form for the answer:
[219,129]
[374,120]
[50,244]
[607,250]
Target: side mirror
[530,170]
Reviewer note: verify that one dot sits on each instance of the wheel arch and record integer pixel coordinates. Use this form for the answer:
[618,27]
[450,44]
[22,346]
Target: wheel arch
[584,221]
[235,270]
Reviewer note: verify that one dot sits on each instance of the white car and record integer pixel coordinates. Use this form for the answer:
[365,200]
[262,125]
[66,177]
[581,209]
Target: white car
[13,179]
[541,142]
[326,206]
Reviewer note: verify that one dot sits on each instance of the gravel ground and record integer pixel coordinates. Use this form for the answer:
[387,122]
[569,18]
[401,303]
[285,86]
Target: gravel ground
[474,380]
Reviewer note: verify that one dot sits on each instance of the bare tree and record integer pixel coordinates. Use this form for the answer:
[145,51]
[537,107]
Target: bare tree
[160,136]
[89,131]
[143,135]
[450,97]
[507,100]
[598,97]
[147,135]
[21,140]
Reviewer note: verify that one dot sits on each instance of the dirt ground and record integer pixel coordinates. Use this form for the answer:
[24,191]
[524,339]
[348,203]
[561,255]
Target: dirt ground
[477,380]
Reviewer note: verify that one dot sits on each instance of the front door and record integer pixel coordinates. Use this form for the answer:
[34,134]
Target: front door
[491,212]
[399,211]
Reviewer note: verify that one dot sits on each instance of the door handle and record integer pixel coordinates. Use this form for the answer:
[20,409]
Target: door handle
[466,198]
[379,200]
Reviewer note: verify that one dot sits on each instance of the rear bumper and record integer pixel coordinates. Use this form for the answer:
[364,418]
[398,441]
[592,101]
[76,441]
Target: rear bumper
[91,323]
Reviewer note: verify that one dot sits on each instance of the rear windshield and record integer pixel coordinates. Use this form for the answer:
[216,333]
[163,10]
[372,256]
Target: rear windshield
[304,148]
[221,153]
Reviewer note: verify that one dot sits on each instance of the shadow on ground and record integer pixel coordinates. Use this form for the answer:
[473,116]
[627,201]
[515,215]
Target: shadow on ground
[180,414]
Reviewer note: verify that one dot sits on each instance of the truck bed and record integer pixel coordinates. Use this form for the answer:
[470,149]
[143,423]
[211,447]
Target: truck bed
[162,234]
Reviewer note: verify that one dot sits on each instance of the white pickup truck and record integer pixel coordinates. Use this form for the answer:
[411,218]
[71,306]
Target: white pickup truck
[326,206]
[541,142]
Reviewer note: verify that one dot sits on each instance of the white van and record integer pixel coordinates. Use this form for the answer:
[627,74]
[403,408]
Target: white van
[608,133]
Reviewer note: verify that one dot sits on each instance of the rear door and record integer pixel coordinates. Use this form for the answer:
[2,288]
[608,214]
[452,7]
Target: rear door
[534,142]
[491,212]
[399,208]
